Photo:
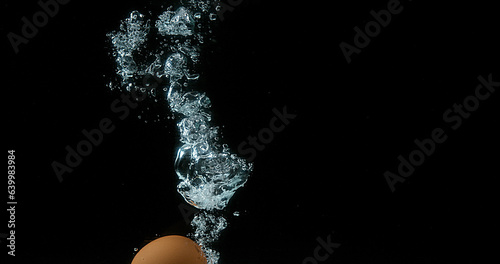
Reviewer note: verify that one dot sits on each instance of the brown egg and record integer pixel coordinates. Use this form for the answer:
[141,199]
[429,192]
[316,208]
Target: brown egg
[170,250]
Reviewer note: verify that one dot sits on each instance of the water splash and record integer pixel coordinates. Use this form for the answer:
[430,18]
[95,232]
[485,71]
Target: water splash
[209,174]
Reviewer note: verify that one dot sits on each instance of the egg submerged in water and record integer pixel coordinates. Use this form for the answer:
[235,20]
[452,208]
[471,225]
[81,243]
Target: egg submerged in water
[170,250]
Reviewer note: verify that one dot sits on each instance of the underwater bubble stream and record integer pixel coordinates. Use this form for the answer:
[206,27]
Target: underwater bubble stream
[209,174]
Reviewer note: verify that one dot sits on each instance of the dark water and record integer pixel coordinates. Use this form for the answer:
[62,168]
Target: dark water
[321,178]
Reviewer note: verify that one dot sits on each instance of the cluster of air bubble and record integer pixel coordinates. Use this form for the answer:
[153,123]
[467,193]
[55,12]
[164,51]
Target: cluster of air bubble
[207,228]
[128,41]
[209,174]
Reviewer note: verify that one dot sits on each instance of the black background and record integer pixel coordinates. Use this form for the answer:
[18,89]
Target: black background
[323,174]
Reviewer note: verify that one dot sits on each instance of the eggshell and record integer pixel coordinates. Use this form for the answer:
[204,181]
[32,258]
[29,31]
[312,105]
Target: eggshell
[170,250]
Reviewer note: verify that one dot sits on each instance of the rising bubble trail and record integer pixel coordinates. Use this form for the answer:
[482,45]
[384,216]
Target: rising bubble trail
[169,48]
